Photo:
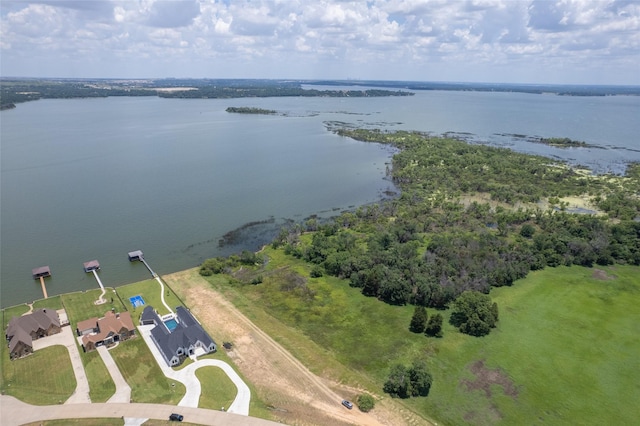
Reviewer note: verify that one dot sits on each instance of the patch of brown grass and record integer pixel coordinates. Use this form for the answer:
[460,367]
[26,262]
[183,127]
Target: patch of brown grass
[486,377]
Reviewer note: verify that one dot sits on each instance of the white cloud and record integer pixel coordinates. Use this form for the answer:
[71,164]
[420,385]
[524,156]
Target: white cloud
[580,41]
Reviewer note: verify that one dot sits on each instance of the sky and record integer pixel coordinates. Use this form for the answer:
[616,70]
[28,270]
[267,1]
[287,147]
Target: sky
[499,41]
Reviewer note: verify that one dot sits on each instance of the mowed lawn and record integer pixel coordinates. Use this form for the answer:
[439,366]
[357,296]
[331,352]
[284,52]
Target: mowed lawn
[150,292]
[33,379]
[218,390]
[141,371]
[81,306]
[566,349]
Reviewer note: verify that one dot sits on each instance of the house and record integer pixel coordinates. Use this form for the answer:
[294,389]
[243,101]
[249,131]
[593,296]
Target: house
[92,265]
[22,331]
[113,327]
[178,337]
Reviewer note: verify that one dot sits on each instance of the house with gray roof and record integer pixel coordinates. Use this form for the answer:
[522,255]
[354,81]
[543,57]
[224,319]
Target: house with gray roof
[178,337]
[22,331]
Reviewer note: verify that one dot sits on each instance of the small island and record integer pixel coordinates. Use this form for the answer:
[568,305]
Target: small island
[564,143]
[251,110]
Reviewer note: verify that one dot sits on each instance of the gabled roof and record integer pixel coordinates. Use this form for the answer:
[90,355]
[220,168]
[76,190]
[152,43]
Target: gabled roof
[110,324]
[38,319]
[149,314]
[20,328]
[87,324]
[20,337]
[193,329]
[188,332]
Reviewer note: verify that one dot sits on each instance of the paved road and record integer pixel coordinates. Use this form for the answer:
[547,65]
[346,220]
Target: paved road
[123,390]
[65,338]
[14,412]
[188,377]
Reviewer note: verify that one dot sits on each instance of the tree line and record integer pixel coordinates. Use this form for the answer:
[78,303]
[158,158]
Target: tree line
[427,248]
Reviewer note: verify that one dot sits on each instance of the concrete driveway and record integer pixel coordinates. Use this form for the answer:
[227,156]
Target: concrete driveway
[188,377]
[123,390]
[65,338]
[14,412]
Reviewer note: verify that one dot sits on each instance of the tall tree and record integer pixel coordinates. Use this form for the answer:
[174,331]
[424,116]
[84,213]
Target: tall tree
[398,383]
[474,314]
[419,319]
[434,326]
[420,379]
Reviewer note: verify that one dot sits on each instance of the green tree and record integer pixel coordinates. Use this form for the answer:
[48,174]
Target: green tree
[527,230]
[420,379]
[474,314]
[398,383]
[419,319]
[434,326]
[365,402]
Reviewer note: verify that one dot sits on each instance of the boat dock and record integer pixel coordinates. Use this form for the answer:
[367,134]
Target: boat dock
[138,255]
[41,273]
[93,266]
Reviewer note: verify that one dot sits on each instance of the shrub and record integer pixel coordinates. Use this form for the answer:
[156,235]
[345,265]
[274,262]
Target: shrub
[365,402]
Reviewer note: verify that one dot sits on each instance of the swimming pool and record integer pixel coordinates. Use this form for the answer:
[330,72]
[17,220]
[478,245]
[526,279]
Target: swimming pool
[171,324]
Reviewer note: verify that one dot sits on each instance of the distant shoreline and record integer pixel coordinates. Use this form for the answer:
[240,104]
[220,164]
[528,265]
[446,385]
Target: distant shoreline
[16,89]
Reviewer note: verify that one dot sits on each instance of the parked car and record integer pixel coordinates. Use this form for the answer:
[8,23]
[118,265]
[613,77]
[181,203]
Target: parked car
[347,404]
[176,417]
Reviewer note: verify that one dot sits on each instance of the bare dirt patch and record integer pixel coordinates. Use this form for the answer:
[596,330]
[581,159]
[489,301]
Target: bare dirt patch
[486,377]
[599,274]
[292,392]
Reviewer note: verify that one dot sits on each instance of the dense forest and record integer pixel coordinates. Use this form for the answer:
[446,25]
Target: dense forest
[469,217]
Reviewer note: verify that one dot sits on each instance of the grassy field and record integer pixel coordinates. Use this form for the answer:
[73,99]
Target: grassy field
[565,350]
[101,386]
[33,380]
[150,292]
[217,389]
[144,376]
[80,305]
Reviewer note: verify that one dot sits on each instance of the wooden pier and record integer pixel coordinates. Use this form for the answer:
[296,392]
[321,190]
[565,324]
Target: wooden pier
[44,288]
[138,255]
[41,273]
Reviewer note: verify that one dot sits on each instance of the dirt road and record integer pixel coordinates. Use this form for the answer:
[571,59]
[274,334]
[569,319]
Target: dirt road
[295,394]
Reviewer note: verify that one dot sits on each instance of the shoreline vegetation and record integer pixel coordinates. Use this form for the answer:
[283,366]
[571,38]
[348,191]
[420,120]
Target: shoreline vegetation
[429,249]
[17,90]
[251,110]
[554,142]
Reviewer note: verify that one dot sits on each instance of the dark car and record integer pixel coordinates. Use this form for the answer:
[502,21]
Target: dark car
[347,404]
[176,417]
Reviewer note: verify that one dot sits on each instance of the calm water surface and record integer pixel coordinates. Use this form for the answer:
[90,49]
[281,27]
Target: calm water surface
[91,179]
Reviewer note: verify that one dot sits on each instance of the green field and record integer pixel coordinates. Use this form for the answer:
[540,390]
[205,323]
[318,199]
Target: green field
[80,306]
[217,389]
[565,350]
[150,292]
[43,378]
[141,371]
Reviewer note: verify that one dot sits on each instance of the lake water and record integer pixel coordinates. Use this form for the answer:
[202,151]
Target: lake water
[88,179]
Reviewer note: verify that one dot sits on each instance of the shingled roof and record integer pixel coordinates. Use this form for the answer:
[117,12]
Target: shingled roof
[40,319]
[188,332]
[110,324]
[21,329]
